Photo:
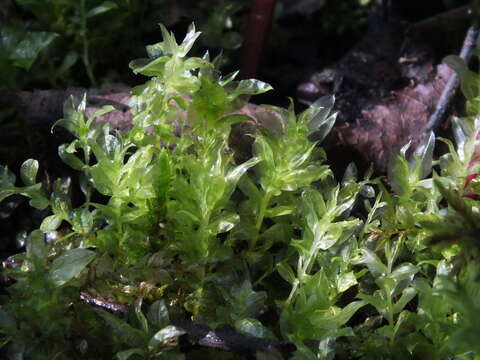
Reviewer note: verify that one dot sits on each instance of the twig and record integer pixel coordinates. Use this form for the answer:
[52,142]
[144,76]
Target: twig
[259,22]
[453,82]
[225,338]
[448,16]
[104,303]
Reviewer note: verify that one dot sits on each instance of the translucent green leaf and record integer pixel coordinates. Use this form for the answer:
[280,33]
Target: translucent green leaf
[326,349]
[424,156]
[74,113]
[149,67]
[36,249]
[154,51]
[376,301]
[69,265]
[404,271]
[388,285]
[286,272]
[169,42]
[82,220]
[189,40]
[335,317]
[234,175]
[402,319]
[28,171]
[399,176]
[407,295]
[250,87]
[60,201]
[373,262]
[280,211]
[180,101]
[248,302]
[351,174]
[224,223]
[455,200]
[102,8]
[469,81]
[251,327]
[105,176]
[104,110]
[208,103]
[51,223]
[317,118]
[38,200]
[164,335]
[140,316]
[226,79]
[345,281]
[264,149]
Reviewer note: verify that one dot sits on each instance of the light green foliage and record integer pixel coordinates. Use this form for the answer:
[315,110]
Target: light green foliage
[32,189]
[172,225]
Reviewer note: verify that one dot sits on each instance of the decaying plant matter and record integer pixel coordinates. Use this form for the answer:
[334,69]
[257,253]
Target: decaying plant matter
[388,87]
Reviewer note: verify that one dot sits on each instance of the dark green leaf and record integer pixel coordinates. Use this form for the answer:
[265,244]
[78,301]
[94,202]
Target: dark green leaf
[158,314]
[51,223]
[140,317]
[126,354]
[251,327]
[68,61]
[28,171]
[69,265]
[286,272]
[36,248]
[122,330]
[407,295]
[27,50]
[372,261]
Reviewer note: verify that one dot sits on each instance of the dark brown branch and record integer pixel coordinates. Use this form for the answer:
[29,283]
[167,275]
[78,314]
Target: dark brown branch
[104,303]
[461,13]
[224,338]
[41,108]
[452,84]
[259,23]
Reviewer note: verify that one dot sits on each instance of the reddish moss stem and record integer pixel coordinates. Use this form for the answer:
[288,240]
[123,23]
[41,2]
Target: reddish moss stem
[259,22]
